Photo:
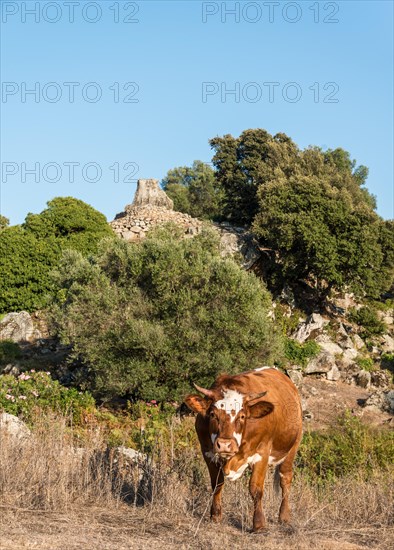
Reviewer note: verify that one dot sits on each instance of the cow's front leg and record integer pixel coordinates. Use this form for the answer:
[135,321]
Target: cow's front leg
[256,488]
[217,481]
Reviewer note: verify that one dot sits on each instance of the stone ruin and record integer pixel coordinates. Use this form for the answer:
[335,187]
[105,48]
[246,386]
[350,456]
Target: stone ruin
[151,207]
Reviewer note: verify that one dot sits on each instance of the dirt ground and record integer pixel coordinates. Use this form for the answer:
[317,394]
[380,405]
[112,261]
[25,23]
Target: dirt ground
[132,528]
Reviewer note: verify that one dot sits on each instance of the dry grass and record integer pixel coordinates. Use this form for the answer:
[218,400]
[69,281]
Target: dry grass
[55,498]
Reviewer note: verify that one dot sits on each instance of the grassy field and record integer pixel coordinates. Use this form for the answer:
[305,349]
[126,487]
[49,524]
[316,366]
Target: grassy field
[56,497]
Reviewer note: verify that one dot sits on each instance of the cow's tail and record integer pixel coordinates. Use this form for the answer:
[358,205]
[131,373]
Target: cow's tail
[276,480]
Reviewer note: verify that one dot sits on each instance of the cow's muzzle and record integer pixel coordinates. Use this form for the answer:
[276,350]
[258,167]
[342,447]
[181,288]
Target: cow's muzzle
[225,448]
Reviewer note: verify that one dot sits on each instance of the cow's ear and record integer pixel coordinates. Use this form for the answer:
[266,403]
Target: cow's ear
[197,403]
[260,409]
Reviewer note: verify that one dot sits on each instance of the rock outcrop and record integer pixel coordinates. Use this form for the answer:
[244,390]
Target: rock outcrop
[18,327]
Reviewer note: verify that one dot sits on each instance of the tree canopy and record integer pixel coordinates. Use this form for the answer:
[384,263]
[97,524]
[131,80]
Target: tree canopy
[194,190]
[150,318]
[29,251]
[310,207]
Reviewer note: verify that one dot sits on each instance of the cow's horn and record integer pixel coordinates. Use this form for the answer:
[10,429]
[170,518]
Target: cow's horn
[208,393]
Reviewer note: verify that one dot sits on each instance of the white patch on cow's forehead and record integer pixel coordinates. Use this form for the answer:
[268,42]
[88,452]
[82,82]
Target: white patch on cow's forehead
[213,437]
[232,402]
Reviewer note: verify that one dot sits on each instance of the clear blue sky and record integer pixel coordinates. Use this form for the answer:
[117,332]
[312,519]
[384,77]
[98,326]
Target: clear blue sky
[170,52]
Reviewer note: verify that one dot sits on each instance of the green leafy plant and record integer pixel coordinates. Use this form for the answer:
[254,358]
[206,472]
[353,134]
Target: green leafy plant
[34,391]
[150,318]
[299,354]
[28,252]
[365,363]
[367,318]
[350,447]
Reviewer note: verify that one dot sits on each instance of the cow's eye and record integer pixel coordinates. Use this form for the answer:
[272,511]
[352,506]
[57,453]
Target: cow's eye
[212,414]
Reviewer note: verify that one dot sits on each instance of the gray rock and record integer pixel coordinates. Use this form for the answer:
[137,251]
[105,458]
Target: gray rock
[363,379]
[350,354]
[380,379]
[327,345]
[387,343]
[149,192]
[381,401]
[334,374]
[12,426]
[18,327]
[358,342]
[323,363]
[295,376]
[313,324]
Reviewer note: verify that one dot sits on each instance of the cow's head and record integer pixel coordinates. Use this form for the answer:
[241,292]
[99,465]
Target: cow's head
[228,411]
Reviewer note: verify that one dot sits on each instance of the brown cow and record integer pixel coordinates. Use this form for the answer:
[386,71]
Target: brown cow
[250,419]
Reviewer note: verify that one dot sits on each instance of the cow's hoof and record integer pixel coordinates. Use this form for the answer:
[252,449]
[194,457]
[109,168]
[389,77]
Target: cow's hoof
[216,519]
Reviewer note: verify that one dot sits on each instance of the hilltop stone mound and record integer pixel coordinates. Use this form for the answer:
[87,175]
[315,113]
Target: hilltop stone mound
[151,207]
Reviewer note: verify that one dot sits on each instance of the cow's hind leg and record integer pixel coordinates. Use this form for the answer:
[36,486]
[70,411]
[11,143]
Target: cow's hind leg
[217,481]
[256,488]
[285,473]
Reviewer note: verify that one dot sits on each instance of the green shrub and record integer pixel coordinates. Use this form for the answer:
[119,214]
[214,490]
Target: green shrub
[367,318]
[351,447]
[300,354]
[9,351]
[34,391]
[29,252]
[365,363]
[150,318]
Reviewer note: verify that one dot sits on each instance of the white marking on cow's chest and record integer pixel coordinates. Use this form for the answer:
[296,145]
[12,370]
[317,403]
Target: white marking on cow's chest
[272,461]
[233,475]
[254,459]
[231,403]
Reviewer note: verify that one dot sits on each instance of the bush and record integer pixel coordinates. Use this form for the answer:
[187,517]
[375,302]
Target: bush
[366,317]
[300,354]
[150,318]
[33,392]
[9,351]
[365,363]
[29,252]
[351,447]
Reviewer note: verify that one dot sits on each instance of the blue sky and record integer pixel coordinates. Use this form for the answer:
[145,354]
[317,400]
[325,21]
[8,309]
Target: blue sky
[335,58]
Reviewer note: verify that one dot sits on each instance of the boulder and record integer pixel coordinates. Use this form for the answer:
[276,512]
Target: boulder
[18,327]
[327,345]
[387,343]
[358,342]
[323,363]
[333,374]
[380,379]
[350,354]
[12,426]
[295,376]
[313,324]
[381,400]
